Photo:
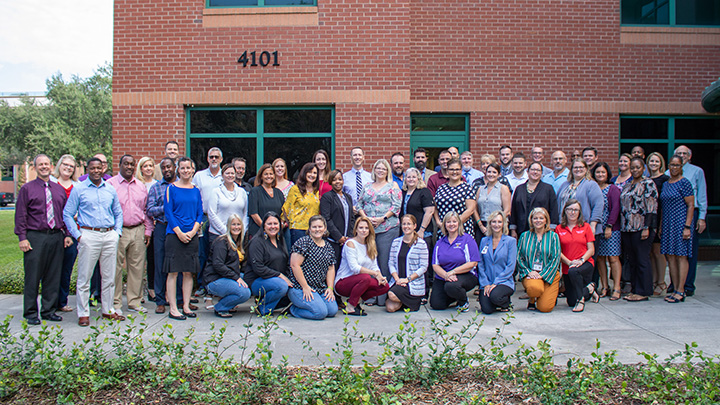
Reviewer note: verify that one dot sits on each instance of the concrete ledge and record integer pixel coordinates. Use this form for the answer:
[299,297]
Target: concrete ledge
[260,17]
[670,36]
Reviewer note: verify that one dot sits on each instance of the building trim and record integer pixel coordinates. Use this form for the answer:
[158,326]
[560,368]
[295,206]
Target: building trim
[658,35]
[260,17]
[557,106]
[306,97]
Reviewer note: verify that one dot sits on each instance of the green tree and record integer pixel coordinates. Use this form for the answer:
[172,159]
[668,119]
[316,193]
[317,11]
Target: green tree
[77,119]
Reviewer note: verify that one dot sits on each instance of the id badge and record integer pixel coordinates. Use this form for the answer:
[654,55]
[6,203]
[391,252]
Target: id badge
[537,266]
[485,250]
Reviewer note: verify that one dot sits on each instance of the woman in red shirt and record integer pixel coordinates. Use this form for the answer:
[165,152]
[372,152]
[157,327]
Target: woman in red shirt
[577,249]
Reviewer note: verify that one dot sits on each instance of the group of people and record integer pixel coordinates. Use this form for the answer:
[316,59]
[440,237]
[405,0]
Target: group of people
[299,246]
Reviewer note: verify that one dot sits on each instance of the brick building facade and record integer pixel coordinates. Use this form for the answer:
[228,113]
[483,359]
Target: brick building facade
[560,74]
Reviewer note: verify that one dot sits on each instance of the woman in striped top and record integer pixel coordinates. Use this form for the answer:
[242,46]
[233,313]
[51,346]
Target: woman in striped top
[538,261]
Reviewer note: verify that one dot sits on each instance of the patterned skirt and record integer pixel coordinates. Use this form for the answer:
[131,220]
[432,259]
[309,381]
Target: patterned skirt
[608,247]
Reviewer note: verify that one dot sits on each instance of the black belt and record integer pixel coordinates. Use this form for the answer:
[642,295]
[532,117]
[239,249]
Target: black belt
[46,231]
[90,228]
[132,226]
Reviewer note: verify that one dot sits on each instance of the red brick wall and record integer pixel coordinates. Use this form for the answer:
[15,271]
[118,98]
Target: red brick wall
[143,130]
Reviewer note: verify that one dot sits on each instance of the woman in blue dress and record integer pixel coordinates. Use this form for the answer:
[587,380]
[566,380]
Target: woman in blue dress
[678,201]
[608,241]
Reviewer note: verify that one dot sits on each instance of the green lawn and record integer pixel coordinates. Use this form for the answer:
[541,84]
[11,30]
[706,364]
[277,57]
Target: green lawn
[9,251]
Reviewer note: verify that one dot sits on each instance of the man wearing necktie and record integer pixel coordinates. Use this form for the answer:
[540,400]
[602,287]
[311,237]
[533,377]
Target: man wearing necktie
[356,178]
[39,226]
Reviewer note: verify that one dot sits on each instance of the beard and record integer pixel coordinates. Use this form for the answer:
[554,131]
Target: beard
[420,166]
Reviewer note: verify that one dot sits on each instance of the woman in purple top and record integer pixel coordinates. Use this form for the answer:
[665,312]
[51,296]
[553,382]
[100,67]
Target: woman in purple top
[607,242]
[454,261]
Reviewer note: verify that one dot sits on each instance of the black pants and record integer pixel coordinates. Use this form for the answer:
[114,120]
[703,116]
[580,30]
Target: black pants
[576,282]
[638,254]
[445,293]
[43,264]
[499,297]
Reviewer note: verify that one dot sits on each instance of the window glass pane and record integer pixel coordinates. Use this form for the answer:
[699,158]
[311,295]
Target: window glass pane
[230,147]
[698,12]
[643,128]
[437,124]
[645,12]
[231,3]
[661,148]
[697,128]
[289,2]
[295,151]
[223,121]
[298,121]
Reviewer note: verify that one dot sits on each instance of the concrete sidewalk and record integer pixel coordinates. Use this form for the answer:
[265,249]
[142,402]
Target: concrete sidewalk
[653,327]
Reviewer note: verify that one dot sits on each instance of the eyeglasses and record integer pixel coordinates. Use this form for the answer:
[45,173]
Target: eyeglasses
[534,170]
[69,165]
[454,170]
[674,165]
[572,209]
[214,157]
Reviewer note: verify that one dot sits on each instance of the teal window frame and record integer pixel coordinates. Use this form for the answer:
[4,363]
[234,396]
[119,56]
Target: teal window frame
[260,133]
[440,139]
[261,3]
[672,143]
[672,19]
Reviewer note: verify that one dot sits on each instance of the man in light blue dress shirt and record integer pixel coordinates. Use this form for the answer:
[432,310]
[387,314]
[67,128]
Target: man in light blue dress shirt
[356,178]
[100,221]
[468,171]
[560,173]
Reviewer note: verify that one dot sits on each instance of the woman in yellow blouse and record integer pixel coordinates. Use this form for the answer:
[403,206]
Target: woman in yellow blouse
[302,201]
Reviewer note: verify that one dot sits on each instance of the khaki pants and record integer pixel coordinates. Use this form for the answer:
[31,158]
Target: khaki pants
[544,294]
[131,252]
[94,246]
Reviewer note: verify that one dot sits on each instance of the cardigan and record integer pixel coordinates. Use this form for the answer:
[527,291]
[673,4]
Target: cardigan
[543,196]
[223,262]
[496,266]
[416,262]
[591,201]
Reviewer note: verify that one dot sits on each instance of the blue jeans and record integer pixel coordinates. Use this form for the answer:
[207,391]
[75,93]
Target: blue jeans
[318,308]
[286,236]
[69,256]
[230,291]
[203,250]
[296,234]
[269,292]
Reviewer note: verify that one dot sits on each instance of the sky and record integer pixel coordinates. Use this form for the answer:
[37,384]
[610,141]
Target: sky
[39,38]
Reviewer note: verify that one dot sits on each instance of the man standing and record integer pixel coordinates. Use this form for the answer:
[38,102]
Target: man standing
[40,228]
[560,172]
[356,178]
[519,174]
[468,172]
[537,156]
[589,155]
[440,178]
[397,161]
[506,154]
[638,151]
[172,151]
[240,166]
[696,176]
[207,181]
[136,232]
[100,219]
[454,154]
[420,162]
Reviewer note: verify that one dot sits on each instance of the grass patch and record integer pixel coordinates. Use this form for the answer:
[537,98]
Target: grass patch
[10,253]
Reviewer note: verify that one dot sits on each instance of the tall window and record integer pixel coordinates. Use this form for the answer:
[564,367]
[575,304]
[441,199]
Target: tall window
[671,12]
[664,134]
[260,135]
[436,132]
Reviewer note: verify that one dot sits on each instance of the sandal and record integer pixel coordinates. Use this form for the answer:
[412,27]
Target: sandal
[358,311]
[636,298]
[531,306]
[594,297]
[676,297]
[579,306]
[616,294]
[659,289]
[604,292]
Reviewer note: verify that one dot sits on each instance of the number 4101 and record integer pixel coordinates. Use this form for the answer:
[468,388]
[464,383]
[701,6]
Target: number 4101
[263,60]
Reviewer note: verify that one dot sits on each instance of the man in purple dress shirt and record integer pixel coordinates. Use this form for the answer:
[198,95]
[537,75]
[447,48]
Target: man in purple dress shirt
[39,226]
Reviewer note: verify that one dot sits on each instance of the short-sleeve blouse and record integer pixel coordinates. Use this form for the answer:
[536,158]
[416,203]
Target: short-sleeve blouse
[377,203]
[315,266]
[448,198]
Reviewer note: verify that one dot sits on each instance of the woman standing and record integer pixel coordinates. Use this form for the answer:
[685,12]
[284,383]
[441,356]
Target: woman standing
[579,186]
[380,203]
[184,214]
[656,168]
[313,273]
[491,196]
[359,275]
[576,254]
[608,240]
[281,180]
[145,172]
[302,202]
[408,265]
[263,198]
[678,202]
[322,162]
[639,200]
[455,195]
[498,256]
[624,175]
[538,262]
[528,196]
[227,199]
[337,209]
[222,273]
[454,262]
[267,273]
[64,175]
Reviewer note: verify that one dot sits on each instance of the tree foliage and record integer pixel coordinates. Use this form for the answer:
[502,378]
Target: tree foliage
[77,120]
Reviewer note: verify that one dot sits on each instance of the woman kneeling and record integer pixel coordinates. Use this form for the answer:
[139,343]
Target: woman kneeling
[408,264]
[498,255]
[539,262]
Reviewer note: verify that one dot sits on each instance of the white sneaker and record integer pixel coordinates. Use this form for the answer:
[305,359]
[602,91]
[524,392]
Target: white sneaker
[119,311]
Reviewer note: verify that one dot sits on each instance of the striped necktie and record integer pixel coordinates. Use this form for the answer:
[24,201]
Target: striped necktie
[358,184]
[49,207]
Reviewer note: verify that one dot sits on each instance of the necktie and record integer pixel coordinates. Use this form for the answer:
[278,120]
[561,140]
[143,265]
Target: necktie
[465,174]
[49,207]
[358,184]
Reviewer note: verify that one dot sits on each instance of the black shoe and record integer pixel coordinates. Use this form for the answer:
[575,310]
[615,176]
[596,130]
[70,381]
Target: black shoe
[33,321]
[689,293]
[194,300]
[53,317]
[190,314]
[180,317]
[222,314]
[531,306]
[357,311]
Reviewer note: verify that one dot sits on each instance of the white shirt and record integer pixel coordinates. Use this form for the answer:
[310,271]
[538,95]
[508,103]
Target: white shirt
[207,183]
[350,187]
[516,181]
[222,203]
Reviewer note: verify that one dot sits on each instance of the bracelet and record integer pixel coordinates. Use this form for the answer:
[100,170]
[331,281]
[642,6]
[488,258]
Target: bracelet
[688,227]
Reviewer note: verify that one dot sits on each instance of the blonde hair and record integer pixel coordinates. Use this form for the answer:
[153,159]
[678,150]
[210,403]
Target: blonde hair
[571,176]
[228,236]
[138,169]
[502,215]
[385,163]
[453,214]
[370,240]
[421,182]
[543,211]
[56,171]
[662,161]
[286,168]
[488,158]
